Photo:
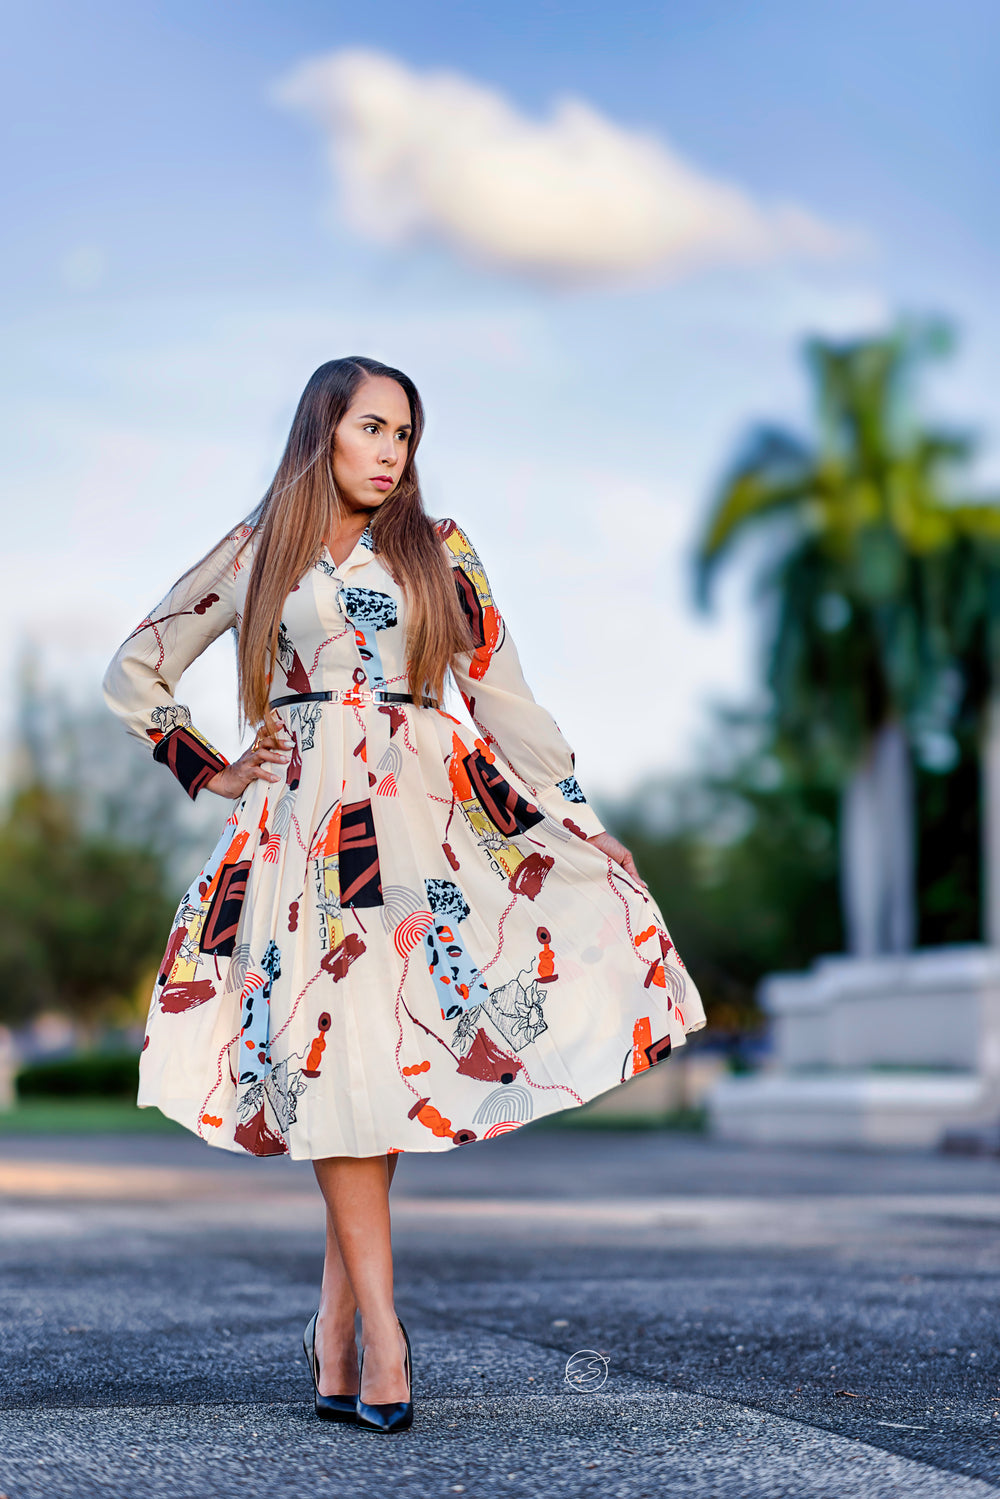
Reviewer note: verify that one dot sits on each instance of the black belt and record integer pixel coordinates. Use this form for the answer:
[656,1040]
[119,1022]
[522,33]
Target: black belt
[351,695]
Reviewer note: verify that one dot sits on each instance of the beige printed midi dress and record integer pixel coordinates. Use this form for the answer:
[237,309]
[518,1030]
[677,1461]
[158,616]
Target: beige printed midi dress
[405,943]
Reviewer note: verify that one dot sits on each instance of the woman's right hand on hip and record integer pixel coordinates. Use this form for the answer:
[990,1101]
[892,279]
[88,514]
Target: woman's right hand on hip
[252,765]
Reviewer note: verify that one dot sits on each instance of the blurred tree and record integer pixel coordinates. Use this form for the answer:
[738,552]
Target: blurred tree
[973,593]
[871,652]
[118,789]
[742,857]
[81,916]
[88,837]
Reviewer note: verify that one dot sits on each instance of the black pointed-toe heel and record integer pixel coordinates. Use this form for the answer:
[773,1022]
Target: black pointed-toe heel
[328,1407]
[392,1415]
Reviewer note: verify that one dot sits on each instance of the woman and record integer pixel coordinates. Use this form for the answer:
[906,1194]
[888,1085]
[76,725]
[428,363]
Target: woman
[411,935]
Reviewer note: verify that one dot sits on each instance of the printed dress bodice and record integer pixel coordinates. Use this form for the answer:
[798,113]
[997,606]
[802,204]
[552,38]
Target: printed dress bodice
[342,627]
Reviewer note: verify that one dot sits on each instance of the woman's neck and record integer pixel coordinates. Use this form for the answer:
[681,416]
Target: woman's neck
[342,545]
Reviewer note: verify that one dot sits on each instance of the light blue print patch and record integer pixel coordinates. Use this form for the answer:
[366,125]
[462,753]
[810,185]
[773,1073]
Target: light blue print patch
[571,790]
[461,987]
[370,611]
[255,1015]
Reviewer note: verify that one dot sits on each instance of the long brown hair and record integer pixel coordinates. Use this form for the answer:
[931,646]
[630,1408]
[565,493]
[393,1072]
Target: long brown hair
[296,514]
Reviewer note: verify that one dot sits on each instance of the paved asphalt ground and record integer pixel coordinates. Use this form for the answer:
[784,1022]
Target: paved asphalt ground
[772,1322]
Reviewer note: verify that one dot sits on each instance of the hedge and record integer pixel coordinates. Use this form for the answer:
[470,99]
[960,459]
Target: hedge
[92,1075]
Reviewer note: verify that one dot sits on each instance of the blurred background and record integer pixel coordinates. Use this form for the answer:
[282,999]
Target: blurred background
[702,301]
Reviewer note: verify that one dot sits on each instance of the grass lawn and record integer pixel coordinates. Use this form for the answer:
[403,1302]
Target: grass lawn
[72,1116]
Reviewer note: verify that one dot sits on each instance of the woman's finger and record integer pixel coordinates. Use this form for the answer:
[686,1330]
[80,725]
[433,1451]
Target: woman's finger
[254,772]
[266,757]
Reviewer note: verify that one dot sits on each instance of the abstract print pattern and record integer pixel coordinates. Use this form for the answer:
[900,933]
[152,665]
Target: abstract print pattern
[407,943]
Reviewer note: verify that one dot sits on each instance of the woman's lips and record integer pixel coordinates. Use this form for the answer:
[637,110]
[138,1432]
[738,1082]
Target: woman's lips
[383,481]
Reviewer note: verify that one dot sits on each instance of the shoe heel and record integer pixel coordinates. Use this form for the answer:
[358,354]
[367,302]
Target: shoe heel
[409,1359]
[390,1415]
[328,1407]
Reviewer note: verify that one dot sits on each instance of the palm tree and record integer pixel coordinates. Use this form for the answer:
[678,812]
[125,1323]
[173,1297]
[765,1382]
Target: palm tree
[974,594]
[883,600]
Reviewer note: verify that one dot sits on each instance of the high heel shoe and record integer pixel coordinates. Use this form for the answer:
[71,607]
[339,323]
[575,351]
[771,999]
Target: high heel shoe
[392,1415]
[328,1407]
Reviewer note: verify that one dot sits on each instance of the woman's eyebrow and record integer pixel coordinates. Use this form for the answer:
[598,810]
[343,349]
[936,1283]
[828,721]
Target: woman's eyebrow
[370,416]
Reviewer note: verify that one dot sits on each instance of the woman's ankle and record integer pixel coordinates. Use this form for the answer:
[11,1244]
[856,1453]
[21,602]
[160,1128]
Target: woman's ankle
[382,1328]
[336,1319]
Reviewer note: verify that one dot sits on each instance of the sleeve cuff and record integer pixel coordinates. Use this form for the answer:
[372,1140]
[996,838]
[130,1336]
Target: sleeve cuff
[566,803]
[190,756]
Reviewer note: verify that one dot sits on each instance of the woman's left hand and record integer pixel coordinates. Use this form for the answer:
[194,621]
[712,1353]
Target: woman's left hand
[617,851]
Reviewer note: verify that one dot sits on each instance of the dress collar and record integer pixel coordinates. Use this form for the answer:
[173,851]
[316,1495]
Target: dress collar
[362,550]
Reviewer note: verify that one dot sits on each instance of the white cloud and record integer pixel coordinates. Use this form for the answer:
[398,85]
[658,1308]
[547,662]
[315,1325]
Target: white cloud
[436,156]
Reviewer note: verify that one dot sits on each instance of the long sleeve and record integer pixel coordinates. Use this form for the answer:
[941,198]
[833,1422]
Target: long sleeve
[142,677]
[501,703]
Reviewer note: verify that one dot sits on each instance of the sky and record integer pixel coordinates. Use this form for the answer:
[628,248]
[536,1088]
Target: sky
[595,235]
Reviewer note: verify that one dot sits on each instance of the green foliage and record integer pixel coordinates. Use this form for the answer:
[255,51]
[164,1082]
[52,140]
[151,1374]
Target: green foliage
[86,844]
[82,916]
[949,872]
[882,583]
[882,586]
[745,863]
[90,1075]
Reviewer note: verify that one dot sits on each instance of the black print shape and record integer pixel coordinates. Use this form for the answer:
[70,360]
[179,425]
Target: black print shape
[508,811]
[366,606]
[219,935]
[360,874]
[471,607]
[190,760]
[446,899]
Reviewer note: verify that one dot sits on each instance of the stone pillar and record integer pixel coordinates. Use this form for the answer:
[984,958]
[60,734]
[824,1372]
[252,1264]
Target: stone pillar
[8,1068]
[877,868]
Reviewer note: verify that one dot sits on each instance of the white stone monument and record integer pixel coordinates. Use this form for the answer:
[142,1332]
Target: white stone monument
[893,1049]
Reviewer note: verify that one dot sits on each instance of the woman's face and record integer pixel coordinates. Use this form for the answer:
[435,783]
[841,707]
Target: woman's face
[371,443]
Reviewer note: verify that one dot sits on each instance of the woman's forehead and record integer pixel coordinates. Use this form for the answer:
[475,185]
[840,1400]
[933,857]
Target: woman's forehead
[380,394]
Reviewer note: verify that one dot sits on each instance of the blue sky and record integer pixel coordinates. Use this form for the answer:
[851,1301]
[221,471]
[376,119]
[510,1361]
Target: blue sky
[182,256]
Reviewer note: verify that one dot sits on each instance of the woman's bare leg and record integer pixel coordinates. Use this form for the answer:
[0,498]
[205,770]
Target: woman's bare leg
[335,1341]
[357,1273]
